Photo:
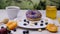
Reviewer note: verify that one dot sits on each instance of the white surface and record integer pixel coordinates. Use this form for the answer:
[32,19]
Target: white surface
[3,15]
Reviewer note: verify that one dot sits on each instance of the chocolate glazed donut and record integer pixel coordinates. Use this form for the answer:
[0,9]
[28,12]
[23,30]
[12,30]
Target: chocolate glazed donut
[33,15]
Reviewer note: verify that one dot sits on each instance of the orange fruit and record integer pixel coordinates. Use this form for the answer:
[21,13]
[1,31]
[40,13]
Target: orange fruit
[51,28]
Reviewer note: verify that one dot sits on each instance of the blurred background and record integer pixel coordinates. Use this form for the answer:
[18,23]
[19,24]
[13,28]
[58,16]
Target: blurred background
[30,4]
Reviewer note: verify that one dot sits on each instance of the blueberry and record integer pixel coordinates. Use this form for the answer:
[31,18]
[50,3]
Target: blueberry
[9,31]
[35,23]
[28,22]
[46,23]
[25,24]
[23,32]
[42,21]
[2,27]
[27,31]
[24,20]
[14,30]
[41,24]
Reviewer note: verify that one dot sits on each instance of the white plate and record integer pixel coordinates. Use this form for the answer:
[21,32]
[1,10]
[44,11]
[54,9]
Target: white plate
[20,23]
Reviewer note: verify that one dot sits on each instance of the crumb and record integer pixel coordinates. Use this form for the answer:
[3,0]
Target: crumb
[46,19]
[5,20]
[31,24]
[39,30]
[19,20]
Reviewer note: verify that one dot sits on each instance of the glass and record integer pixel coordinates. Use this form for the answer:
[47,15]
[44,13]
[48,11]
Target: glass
[51,12]
[12,12]
[58,17]
[58,14]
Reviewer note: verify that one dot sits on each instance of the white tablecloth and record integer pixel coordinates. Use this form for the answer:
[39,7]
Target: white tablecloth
[3,14]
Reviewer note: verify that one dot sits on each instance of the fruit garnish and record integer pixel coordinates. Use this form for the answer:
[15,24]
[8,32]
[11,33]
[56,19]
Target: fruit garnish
[52,28]
[11,25]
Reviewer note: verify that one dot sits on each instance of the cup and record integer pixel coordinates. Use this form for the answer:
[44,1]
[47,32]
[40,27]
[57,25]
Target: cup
[12,11]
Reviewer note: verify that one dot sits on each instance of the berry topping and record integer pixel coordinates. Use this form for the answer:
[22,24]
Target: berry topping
[33,13]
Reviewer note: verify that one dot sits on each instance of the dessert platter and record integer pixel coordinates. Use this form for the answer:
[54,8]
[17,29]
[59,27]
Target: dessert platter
[33,20]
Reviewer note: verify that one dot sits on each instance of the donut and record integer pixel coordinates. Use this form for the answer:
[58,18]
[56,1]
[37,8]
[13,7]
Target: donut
[33,15]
